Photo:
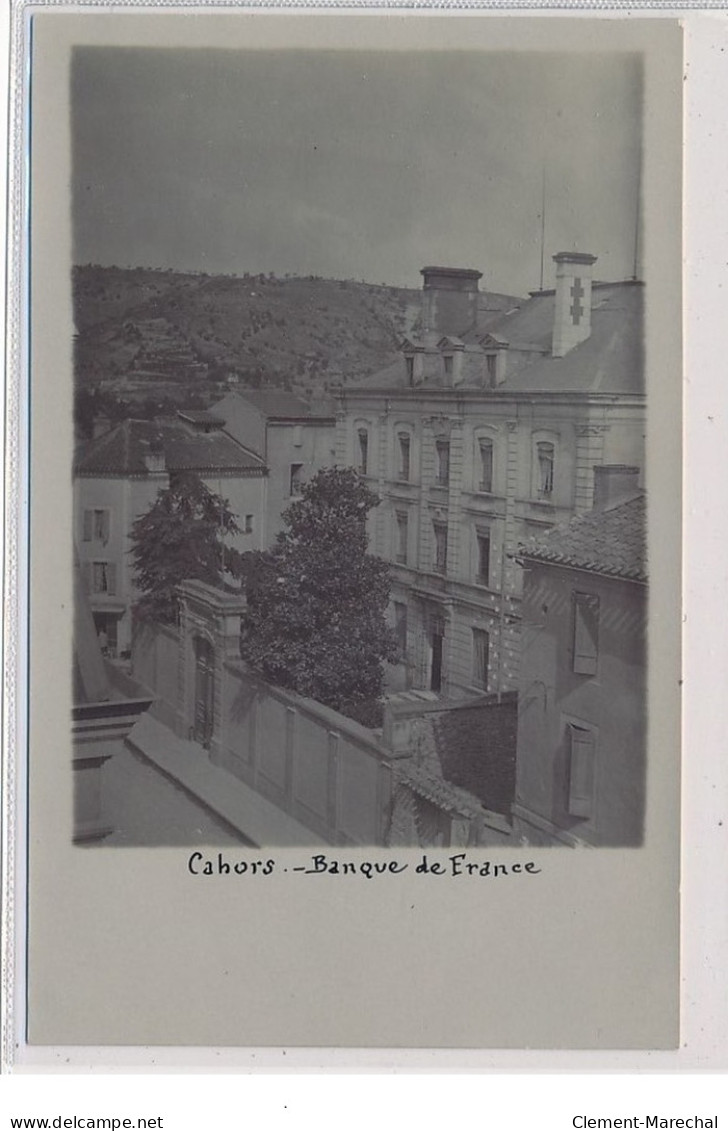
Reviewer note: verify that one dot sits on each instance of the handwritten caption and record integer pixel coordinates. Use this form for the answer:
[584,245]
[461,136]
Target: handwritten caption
[459,864]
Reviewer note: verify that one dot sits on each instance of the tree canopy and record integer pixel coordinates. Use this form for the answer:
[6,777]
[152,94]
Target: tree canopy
[182,536]
[316,602]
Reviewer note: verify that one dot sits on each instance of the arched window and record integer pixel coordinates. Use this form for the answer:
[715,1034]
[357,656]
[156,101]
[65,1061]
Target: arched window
[403,453]
[544,466]
[486,473]
[363,455]
[485,465]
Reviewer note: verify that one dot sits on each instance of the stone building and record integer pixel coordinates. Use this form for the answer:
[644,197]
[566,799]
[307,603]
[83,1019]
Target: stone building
[117,477]
[582,725]
[487,430]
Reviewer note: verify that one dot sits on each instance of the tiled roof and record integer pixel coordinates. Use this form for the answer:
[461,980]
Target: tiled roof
[123,450]
[477,751]
[464,752]
[611,540]
[201,416]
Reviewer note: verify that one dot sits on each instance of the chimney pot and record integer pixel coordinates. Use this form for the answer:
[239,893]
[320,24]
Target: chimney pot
[614,482]
[449,300]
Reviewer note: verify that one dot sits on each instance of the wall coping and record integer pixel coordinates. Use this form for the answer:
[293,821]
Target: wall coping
[412,709]
[333,719]
[212,596]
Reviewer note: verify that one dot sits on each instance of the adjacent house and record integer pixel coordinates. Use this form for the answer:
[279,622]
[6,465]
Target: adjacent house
[580,765]
[117,478]
[487,431]
[294,439]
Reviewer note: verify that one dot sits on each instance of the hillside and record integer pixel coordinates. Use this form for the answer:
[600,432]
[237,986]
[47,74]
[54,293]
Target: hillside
[144,333]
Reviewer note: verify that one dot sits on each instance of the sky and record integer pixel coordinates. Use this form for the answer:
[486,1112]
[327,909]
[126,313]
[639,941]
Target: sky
[355,165]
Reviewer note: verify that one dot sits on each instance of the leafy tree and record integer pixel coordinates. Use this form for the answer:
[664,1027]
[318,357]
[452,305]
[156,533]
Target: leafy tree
[181,536]
[316,602]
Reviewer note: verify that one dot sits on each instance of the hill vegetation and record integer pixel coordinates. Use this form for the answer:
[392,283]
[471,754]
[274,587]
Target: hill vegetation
[146,335]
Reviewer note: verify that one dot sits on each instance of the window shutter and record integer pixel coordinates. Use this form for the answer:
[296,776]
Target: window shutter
[88,518]
[111,579]
[581,771]
[86,576]
[586,633]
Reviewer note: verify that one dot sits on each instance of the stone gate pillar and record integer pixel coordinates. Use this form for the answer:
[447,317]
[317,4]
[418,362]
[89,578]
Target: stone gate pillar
[212,616]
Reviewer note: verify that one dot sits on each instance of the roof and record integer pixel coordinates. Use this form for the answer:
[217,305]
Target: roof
[611,360]
[611,541]
[476,747]
[201,416]
[464,753]
[123,450]
[280,404]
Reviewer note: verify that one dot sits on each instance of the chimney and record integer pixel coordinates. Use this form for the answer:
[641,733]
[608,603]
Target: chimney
[449,301]
[572,313]
[101,424]
[614,482]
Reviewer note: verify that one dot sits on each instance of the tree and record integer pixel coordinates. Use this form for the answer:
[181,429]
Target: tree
[181,536]
[316,602]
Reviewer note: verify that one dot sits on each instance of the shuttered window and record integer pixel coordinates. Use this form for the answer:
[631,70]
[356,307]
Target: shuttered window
[586,633]
[581,770]
[96,525]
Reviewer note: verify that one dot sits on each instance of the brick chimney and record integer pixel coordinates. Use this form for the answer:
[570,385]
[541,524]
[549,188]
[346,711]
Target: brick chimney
[572,312]
[614,482]
[449,301]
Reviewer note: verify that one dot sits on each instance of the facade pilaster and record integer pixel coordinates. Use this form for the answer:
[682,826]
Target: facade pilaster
[506,658]
[589,452]
[382,515]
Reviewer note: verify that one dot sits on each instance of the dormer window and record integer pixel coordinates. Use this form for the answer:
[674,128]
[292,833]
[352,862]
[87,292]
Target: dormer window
[410,363]
[491,362]
[448,362]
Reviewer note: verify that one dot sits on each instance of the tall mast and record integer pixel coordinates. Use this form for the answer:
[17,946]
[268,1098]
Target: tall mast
[543,218]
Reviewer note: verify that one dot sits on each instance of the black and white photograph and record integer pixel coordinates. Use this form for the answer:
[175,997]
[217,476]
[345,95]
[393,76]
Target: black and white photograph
[359,477]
